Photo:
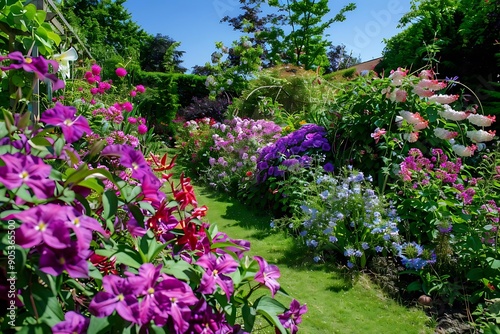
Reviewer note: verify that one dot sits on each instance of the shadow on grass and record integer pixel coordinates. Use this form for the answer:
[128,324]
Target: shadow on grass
[296,255]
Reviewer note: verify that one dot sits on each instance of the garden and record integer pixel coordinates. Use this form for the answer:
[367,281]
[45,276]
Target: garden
[263,196]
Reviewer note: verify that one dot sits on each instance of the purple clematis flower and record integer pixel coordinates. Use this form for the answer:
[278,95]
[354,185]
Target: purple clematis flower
[73,323]
[83,227]
[119,294]
[174,298]
[71,259]
[267,275]
[31,171]
[148,307]
[43,223]
[205,320]
[65,117]
[37,65]
[215,268]
[291,318]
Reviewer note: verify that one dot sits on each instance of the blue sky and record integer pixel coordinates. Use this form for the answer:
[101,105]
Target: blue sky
[196,24]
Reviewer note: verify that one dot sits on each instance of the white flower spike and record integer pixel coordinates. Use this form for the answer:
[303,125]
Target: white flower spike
[63,59]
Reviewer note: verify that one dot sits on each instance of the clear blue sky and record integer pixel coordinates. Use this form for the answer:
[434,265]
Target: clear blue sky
[196,24]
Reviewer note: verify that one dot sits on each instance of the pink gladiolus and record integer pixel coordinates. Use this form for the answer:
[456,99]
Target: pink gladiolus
[481,120]
[431,84]
[426,74]
[121,72]
[415,119]
[397,76]
[377,134]
[480,136]
[464,151]
[453,115]
[443,98]
[445,134]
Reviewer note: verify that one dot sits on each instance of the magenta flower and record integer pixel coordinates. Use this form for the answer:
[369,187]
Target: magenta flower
[128,106]
[73,323]
[27,170]
[82,226]
[291,318]
[267,275]
[132,120]
[215,268]
[119,294]
[140,88]
[142,129]
[37,65]
[65,117]
[174,298]
[71,259]
[42,223]
[133,93]
[96,69]
[121,72]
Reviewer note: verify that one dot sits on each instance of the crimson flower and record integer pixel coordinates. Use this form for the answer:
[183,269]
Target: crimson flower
[185,196]
[37,65]
[65,117]
[291,318]
[29,170]
[215,268]
[267,275]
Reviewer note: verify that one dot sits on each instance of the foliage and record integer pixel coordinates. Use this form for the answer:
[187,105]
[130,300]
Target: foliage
[339,59]
[94,243]
[160,54]
[205,107]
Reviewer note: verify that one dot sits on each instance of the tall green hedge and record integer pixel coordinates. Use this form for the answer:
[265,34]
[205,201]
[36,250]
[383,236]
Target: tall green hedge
[165,94]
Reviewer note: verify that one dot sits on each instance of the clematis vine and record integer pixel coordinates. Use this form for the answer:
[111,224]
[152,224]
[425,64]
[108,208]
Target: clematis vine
[267,275]
[293,317]
[72,126]
[216,270]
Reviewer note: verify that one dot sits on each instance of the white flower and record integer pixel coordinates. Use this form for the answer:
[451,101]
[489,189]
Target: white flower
[479,136]
[411,137]
[64,58]
[481,120]
[443,98]
[464,151]
[452,115]
[445,134]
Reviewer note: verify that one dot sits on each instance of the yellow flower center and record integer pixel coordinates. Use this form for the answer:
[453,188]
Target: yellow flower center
[173,300]
[151,291]
[215,272]
[135,165]
[68,122]
[28,60]
[24,175]
[62,260]
[41,227]
[76,222]
[121,297]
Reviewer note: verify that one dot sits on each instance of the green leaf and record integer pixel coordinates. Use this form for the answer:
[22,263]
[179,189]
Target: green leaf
[40,16]
[270,308]
[109,203]
[494,263]
[414,286]
[47,306]
[137,213]
[249,314]
[475,274]
[98,325]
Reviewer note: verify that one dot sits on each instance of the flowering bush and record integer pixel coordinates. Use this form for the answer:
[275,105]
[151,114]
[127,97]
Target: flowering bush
[95,245]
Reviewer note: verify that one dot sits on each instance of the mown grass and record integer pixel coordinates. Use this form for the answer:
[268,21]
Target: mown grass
[337,302]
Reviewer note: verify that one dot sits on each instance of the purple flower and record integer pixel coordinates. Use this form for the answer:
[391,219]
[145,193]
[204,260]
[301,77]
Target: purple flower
[42,223]
[267,275]
[215,268]
[119,294]
[204,319]
[37,65]
[71,259]
[73,323]
[31,171]
[174,298]
[328,167]
[65,117]
[291,318]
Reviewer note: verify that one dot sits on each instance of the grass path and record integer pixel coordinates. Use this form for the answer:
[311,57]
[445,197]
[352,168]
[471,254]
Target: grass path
[336,304]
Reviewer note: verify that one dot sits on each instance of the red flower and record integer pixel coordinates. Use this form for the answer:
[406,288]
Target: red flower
[249,173]
[185,196]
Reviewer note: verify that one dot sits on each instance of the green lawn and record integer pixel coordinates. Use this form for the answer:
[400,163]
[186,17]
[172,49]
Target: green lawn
[336,302]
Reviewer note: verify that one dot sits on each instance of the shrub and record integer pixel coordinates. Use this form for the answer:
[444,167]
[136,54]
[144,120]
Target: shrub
[205,107]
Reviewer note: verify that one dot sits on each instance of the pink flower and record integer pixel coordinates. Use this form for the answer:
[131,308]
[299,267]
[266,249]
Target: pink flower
[411,137]
[480,136]
[414,119]
[397,76]
[267,275]
[443,98]
[121,72]
[140,88]
[426,74]
[128,106]
[142,129]
[132,120]
[133,93]
[464,151]
[96,69]
[94,91]
[377,134]
[481,120]
[445,134]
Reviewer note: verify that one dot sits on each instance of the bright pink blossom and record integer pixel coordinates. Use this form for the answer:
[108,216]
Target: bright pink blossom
[142,129]
[481,120]
[267,275]
[96,69]
[72,126]
[377,134]
[121,72]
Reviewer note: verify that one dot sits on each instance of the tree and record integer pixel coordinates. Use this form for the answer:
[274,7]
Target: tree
[294,35]
[160,54]
[339,59]
[106,27]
